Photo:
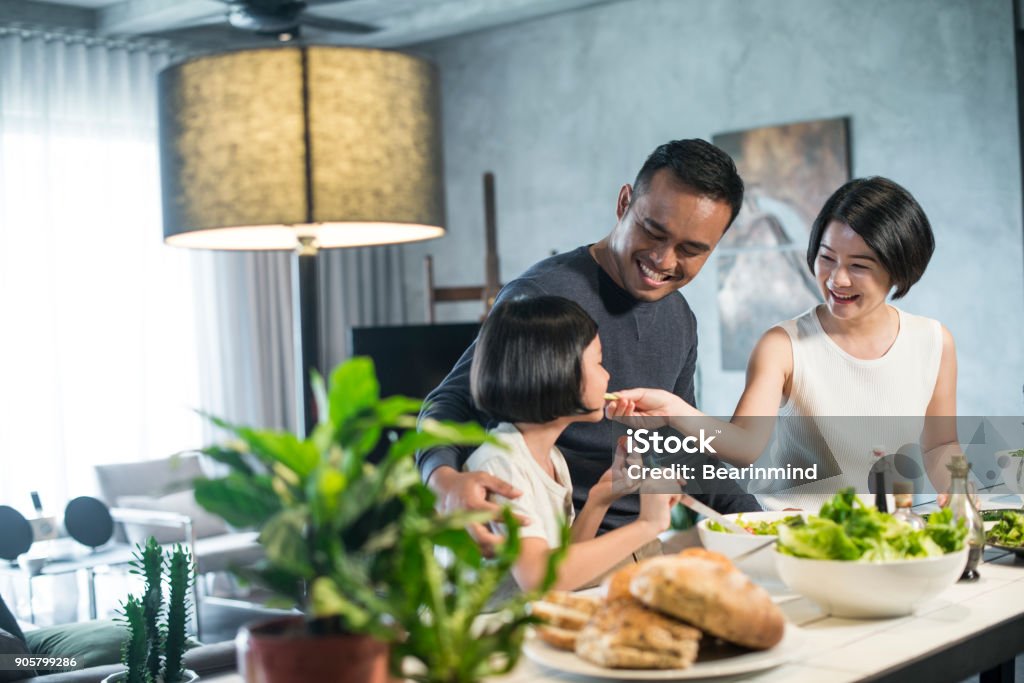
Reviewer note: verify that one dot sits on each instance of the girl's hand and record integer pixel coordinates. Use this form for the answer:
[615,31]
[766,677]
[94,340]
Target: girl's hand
[656,509]
[650,404]
[614,483]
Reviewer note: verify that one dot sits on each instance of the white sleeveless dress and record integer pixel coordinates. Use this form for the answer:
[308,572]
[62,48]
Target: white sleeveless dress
[838,404]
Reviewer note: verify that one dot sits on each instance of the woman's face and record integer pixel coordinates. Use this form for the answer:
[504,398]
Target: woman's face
[595,380]
[849,274]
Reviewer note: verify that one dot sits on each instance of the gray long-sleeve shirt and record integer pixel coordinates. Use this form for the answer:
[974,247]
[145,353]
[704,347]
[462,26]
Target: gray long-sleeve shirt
[644,344]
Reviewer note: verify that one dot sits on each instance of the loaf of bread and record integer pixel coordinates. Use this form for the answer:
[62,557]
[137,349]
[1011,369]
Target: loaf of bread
[616,586]
[561,638]
[623,634]
[705,589]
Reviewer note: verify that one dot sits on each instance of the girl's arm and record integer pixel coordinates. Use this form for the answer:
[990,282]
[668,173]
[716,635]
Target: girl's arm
[588,559]
[741,441]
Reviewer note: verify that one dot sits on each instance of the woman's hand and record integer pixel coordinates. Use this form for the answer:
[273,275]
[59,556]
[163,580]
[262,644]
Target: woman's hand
[649,404]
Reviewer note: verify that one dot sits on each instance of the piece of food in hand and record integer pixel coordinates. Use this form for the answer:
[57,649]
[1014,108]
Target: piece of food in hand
[624,634]
[611,397]
[559,616]
[582,603]
[616,586]
[711,595]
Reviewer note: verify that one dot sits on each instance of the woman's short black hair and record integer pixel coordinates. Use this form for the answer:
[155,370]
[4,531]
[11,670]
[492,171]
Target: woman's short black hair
[888,219]
[527,365]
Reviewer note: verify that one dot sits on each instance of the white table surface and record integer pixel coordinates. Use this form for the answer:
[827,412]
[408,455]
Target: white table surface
[839,650]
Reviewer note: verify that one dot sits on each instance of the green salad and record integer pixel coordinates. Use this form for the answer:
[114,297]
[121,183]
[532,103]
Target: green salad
[762,528]
[847,529]
[1009,530]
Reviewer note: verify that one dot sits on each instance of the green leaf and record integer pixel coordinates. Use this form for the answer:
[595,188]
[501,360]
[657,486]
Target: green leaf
[284,538]
[328,485]
[353,389]
[239,500]
[230,457]
[434,433]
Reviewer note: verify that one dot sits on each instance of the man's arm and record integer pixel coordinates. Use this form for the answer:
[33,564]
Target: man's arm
[451,400]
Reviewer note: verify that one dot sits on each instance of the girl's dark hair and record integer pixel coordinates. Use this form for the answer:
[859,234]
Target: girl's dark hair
[888,219]
[527,366]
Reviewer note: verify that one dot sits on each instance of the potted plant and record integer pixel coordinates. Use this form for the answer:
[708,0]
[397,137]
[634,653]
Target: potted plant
[155,647]
[352,544]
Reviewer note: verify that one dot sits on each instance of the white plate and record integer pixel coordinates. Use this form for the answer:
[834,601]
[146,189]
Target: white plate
[567,662]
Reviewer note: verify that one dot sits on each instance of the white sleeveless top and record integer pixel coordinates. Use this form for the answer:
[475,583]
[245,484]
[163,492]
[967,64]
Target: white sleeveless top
[832,414]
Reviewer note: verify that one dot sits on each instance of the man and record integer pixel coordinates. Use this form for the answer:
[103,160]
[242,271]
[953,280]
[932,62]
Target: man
[683,200]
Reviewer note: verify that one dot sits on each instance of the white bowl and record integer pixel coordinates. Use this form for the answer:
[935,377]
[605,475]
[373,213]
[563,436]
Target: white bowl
[760,565]
[865,590]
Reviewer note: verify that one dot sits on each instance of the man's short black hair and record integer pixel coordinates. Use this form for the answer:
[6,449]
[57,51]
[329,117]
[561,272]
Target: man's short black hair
[888,219]
[527,364]
[698,165]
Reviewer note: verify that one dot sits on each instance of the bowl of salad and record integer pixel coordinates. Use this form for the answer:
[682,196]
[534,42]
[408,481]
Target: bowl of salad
[855,561]
[1008,531]
[763,527]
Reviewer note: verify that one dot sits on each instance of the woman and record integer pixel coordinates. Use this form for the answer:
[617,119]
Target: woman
[854,356]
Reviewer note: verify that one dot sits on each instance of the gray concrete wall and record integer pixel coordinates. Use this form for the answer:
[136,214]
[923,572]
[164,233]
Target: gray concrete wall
[564,110]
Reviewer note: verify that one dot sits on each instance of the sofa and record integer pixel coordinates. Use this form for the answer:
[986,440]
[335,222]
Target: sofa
[96,645]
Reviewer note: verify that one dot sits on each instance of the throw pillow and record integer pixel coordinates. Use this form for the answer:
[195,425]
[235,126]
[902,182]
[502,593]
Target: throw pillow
[12,645]
[92,643]
[8,622]
[204,523]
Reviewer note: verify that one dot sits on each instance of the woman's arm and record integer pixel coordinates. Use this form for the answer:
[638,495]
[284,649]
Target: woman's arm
[742,440]
[939,440]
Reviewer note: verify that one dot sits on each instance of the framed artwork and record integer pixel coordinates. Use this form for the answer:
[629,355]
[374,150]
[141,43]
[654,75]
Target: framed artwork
[789,171]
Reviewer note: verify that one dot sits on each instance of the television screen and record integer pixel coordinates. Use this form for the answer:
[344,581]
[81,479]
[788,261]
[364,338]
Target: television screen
[413,359]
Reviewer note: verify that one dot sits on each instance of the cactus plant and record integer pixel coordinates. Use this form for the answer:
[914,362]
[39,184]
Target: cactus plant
[157,640]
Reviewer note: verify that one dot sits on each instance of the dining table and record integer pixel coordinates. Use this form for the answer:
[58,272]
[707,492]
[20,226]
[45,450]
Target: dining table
[970,628]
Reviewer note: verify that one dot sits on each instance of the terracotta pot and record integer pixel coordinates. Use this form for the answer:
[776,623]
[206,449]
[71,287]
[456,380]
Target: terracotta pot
[286,651]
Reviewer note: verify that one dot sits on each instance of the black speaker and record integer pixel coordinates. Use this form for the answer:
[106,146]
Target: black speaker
[88,521]
[15,533]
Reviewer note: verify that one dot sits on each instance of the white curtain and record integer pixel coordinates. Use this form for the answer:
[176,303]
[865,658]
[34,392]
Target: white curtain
[98,357]
[245,332]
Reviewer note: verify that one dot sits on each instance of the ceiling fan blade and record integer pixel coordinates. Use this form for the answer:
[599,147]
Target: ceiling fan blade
[337,25]
[311,3]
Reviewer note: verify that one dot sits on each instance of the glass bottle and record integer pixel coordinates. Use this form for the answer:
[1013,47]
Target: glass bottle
[962,504]
[904,493]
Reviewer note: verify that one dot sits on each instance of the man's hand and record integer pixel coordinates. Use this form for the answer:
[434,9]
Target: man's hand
[468,491]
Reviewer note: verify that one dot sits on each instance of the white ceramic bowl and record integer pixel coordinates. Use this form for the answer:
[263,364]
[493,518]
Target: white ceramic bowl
[760,565]
[865,590]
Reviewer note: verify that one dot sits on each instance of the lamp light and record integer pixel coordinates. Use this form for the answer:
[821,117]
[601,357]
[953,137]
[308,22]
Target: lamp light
[300,148]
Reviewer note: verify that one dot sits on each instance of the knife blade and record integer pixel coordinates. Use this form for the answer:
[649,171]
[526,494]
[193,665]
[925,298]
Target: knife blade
[700,508]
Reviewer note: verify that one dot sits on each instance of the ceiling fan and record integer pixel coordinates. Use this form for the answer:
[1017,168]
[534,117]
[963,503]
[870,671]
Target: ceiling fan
[278,18]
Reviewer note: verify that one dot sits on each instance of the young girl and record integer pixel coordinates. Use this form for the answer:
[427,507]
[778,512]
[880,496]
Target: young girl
[854,356]
[537,369]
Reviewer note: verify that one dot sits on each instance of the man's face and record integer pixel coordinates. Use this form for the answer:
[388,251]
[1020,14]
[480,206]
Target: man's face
[663,237]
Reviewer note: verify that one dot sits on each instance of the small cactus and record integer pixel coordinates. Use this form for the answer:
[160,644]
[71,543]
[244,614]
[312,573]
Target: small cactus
[157,638]
[180,577]
[134,650]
